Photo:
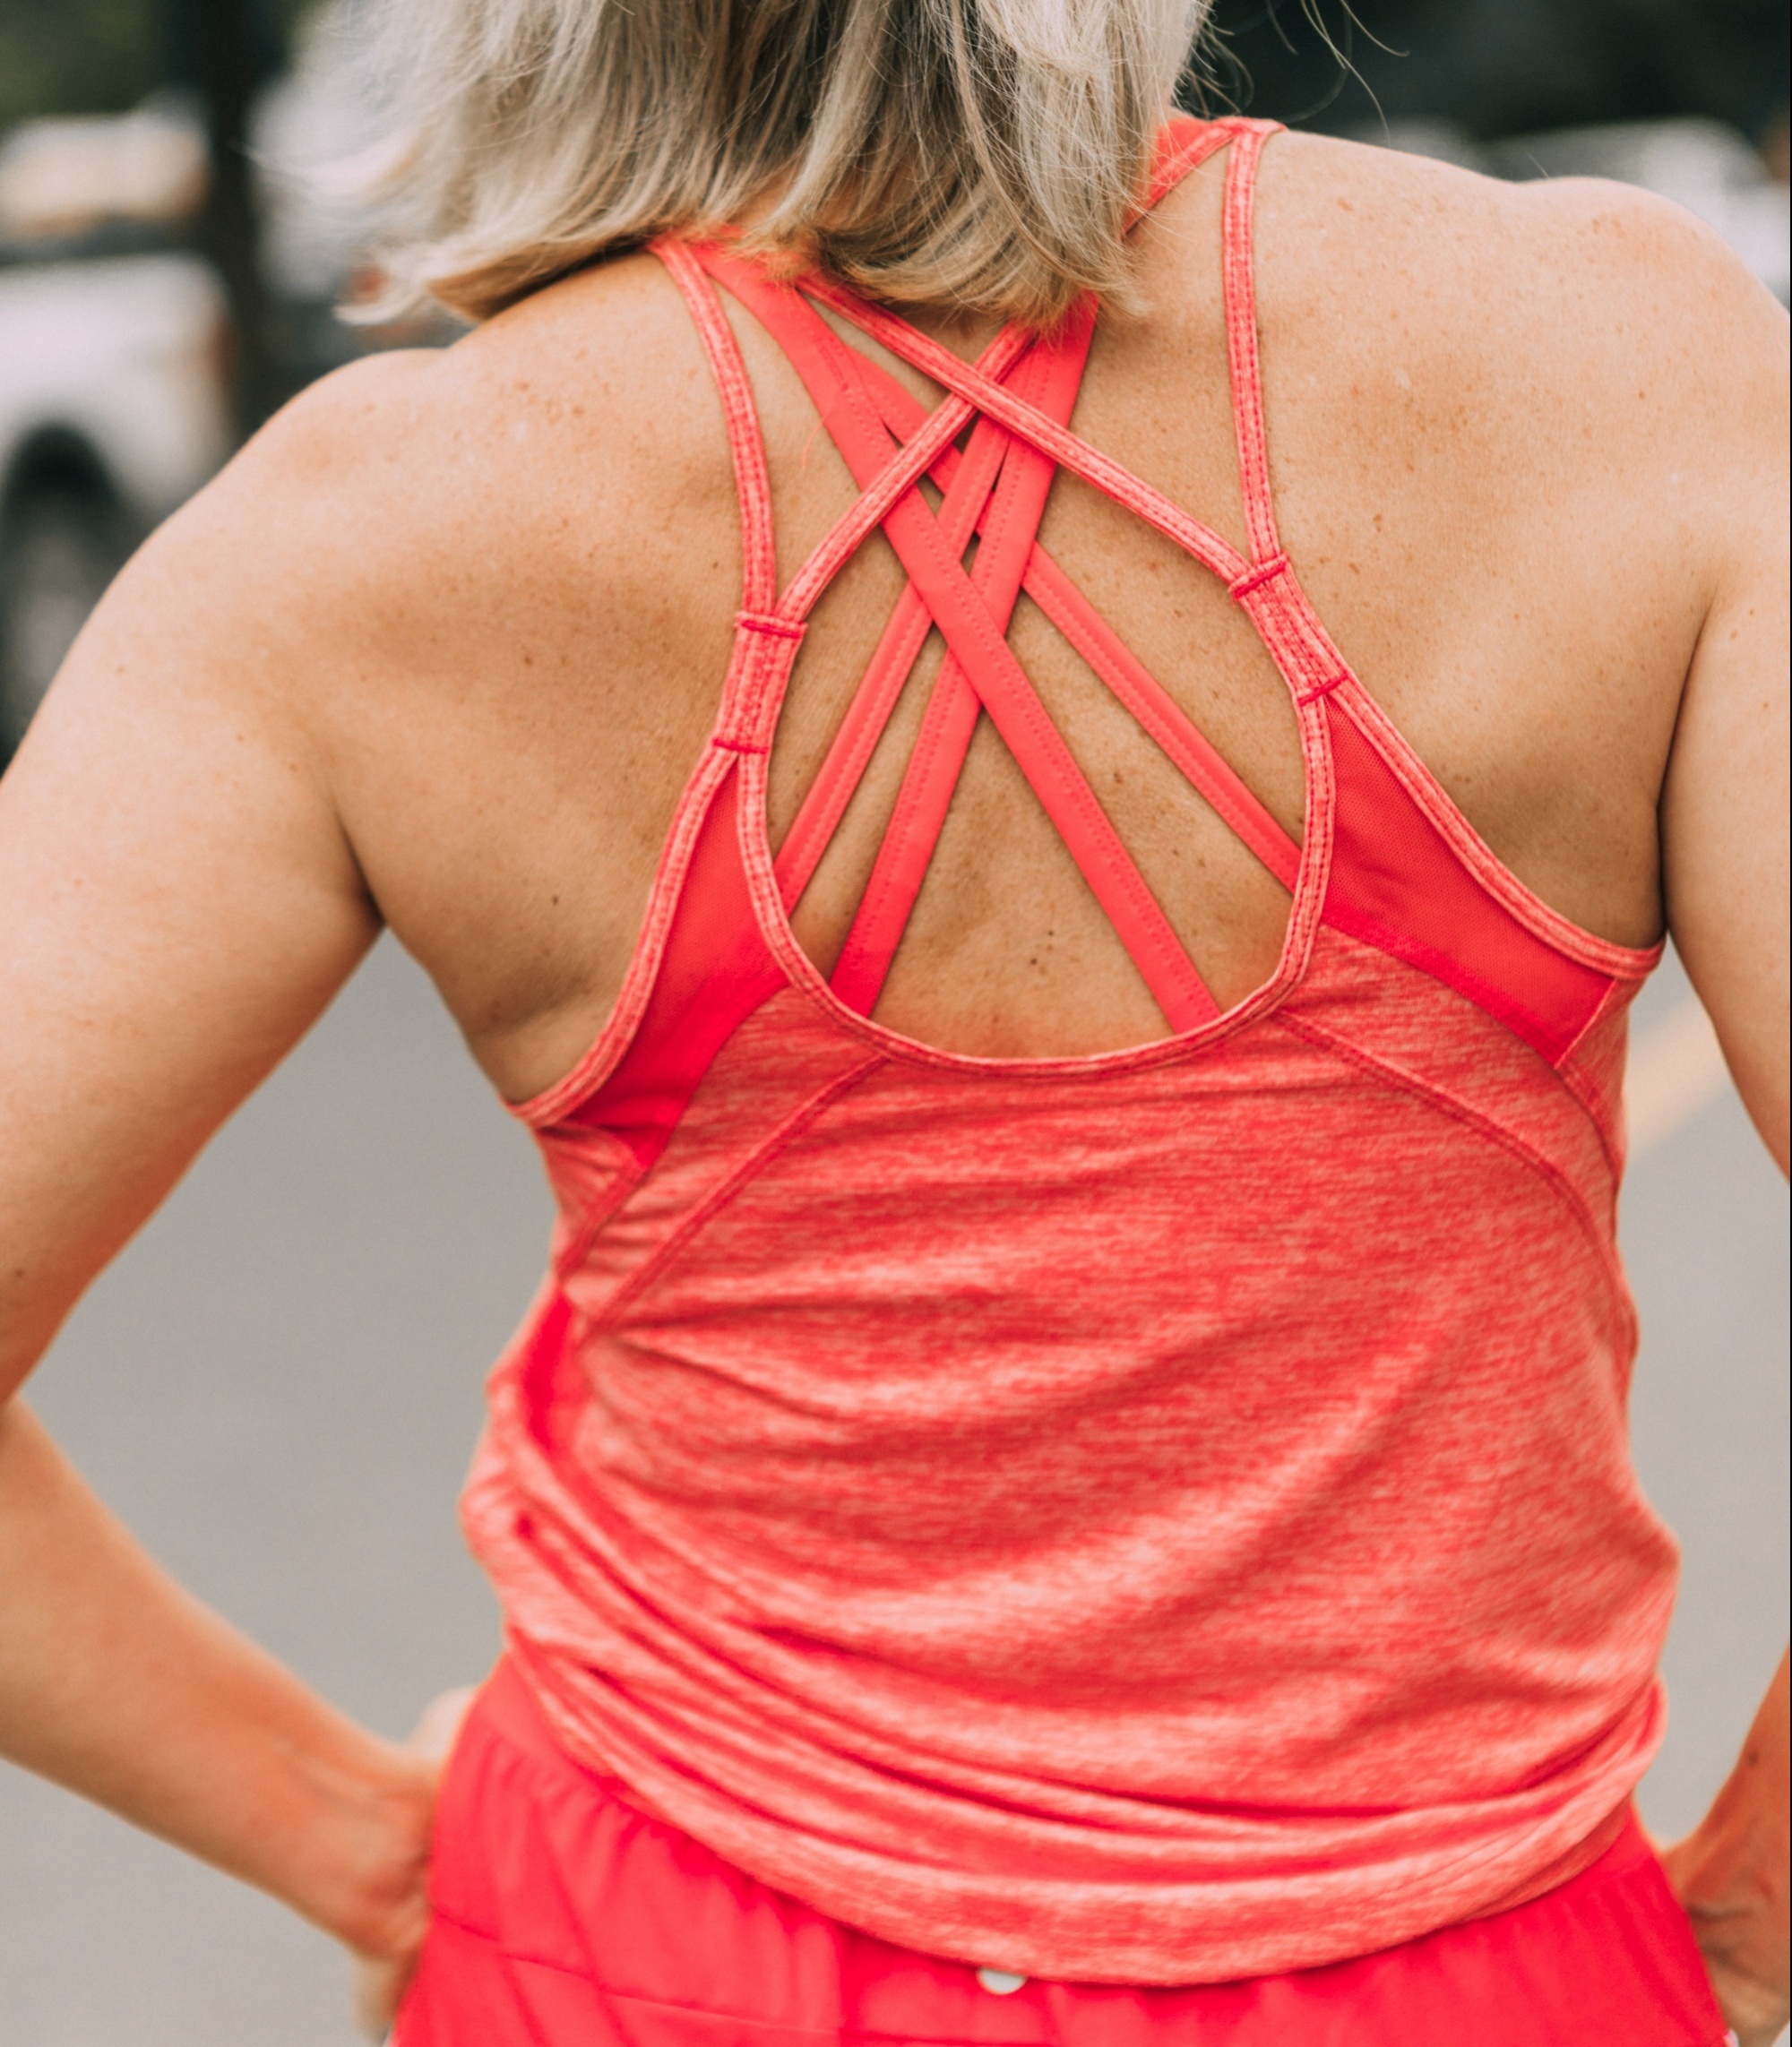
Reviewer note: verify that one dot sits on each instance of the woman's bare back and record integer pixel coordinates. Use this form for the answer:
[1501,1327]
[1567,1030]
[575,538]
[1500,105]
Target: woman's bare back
[442,648]
[1473,474]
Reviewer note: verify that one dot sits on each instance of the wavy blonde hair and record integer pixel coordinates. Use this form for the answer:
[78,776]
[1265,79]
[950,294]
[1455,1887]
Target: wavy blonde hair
[981,154]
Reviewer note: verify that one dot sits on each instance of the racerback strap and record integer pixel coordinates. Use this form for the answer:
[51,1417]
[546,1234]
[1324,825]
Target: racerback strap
[1017,402]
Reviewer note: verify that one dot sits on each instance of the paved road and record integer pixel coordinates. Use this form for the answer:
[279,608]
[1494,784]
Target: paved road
[277,1386]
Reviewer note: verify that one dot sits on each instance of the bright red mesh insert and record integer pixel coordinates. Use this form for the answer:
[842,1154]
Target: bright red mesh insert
[715,970]
[1397,885]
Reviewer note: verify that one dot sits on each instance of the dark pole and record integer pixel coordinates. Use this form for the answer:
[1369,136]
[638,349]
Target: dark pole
[228,55]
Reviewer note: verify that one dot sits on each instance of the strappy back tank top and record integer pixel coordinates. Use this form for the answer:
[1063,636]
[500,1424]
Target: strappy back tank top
[1154,1517]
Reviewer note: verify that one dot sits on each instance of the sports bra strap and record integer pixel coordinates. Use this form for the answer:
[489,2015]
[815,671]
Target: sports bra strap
[1050,377]
[746,443]
[977,639]
[1237,267]
[1117,665]
[965,482]
[1184,145]
[975,388]
[1017,400]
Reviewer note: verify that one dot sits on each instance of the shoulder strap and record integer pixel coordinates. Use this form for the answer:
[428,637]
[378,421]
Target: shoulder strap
[1183,144]
[759,568]
[1241,339]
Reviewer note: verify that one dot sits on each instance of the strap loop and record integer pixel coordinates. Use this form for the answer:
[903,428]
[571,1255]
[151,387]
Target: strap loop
[764,647]
[769,623]
[1255,578]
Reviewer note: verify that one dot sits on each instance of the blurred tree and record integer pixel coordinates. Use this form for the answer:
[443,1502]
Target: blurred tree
[225,51]
[97,56]
[82,57]
[1502,67]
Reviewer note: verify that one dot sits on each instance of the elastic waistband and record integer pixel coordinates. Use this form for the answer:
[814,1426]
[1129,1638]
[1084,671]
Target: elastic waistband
[508,1707]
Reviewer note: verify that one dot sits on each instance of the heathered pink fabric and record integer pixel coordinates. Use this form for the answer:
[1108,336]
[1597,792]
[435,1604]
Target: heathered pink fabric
[1157,1517]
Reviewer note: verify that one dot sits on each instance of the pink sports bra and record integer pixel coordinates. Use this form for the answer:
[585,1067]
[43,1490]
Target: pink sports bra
[1157,1517]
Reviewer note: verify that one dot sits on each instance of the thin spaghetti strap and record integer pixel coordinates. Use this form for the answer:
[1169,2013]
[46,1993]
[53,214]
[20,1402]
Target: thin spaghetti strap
[1184,145]
[978,390]
[746,444]
[965,492]
[1241,340]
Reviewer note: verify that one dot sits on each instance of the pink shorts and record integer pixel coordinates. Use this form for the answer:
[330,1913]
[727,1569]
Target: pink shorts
[567,1917]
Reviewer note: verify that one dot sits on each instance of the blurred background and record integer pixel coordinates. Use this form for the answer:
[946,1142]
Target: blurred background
[169,263]
[278,1384]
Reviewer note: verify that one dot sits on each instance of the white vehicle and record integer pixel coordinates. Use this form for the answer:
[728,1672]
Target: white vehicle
[114,402]
[112,411]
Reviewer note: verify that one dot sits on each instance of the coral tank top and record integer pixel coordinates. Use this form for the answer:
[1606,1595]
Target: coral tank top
[1157,1517]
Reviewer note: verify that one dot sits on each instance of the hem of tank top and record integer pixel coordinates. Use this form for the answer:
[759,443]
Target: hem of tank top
[1439,808]
[507,1705]
[521,1724]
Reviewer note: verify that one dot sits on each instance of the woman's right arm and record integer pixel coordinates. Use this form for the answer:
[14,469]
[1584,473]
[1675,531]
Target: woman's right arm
[177,903]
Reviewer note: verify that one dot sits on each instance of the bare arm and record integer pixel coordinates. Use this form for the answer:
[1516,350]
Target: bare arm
[1724,842]
[178,904]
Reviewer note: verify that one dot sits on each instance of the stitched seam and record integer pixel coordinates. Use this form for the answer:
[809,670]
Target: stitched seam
[1616,991]
[1493,1000]
[1237,259]
[1201,140]
[580,1240]
[752,708]
[746,443]
[1447,1104]
[769,1147]
[1292,638]
[1616,994]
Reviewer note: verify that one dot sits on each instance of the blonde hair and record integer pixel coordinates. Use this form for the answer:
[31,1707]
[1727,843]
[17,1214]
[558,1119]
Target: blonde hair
[981,154]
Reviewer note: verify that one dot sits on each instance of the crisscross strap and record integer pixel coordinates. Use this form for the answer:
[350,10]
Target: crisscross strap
[975,639]
[1174,733]
[1017,400]
[1051,378]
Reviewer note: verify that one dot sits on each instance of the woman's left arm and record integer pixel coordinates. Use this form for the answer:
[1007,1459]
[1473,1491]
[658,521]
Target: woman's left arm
[1724,853]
